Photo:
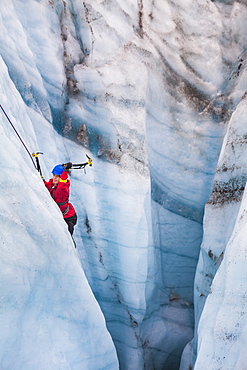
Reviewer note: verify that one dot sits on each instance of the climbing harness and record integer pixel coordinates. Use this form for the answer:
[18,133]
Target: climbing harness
[30,155]
[65,211]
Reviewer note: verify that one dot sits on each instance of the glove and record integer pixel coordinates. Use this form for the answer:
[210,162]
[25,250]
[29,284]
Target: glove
[67,166]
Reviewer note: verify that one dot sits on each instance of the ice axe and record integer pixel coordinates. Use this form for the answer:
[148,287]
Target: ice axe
[36,156]
[78,166]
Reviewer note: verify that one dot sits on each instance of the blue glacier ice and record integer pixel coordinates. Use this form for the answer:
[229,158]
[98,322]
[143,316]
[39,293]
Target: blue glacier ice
[49,316]
[154,92]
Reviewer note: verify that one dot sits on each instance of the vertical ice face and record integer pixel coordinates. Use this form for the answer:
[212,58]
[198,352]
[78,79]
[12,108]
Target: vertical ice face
[141,85]
[220,279]
[49,316]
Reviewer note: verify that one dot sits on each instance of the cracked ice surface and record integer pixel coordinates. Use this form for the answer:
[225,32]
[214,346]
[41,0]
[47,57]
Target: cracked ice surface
[49,316]
[220,279]
[141,87]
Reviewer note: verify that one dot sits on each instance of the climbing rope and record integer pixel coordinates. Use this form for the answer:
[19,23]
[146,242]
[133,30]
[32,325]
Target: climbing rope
[30,155]
[35,155]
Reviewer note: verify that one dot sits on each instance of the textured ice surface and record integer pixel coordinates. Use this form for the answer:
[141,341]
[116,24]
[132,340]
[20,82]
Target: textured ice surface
[147,89]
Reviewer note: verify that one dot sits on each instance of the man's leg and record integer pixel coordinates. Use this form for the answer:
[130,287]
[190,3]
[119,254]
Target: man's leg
[71,222]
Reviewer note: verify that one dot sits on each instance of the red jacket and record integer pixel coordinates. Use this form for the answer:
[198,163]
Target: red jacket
[60,193]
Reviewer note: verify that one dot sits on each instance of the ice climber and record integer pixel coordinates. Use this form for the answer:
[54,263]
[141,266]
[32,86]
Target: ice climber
[59,188]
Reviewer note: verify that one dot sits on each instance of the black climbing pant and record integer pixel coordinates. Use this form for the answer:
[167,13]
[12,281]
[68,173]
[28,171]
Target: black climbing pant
[71,222]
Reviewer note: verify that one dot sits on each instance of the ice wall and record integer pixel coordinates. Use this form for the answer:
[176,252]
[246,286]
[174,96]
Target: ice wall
[142,86]
[220,279]
[49,316]
[187,114]
[112,201]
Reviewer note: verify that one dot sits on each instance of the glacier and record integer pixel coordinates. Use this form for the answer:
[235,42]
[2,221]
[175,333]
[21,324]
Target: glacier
[155,93]
[47,305]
